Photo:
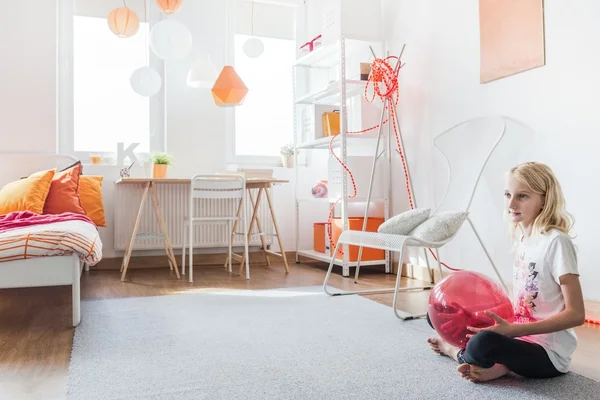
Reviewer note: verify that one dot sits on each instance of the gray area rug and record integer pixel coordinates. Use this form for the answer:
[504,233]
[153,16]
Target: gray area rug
[275,344]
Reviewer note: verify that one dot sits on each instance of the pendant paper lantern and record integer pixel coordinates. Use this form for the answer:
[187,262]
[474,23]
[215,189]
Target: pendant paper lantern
[145,81]
[203,73]
[170,40]
[253,47]
[169,6]
[229,90]
[123,22]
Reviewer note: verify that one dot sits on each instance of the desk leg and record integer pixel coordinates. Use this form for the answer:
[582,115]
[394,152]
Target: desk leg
[129,249]
[156,213]
[163,228]
[254,218]
[287,268]
[262,238]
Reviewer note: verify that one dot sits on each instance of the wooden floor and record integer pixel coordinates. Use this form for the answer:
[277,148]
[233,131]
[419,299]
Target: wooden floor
[36,337]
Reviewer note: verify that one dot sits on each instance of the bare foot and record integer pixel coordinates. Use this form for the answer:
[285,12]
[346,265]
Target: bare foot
[474,373]
[444,348]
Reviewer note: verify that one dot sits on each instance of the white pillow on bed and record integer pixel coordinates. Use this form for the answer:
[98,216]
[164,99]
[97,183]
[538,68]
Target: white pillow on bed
[440,226]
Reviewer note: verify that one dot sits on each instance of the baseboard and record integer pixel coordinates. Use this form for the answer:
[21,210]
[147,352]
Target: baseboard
[136,262]
[417,272]
[592,310]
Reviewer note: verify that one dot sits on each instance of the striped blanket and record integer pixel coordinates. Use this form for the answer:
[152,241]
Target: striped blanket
[31,235]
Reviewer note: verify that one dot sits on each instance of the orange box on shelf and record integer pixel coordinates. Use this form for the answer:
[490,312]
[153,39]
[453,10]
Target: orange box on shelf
[331,123]
[320,237]
[356,224]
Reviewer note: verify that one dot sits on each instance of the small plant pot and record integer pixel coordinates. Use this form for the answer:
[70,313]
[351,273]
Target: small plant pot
[287,162]
[159,171]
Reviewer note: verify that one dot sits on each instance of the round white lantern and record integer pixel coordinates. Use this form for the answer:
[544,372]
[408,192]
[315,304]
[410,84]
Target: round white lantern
[145,81]
[254,47]
[170,40]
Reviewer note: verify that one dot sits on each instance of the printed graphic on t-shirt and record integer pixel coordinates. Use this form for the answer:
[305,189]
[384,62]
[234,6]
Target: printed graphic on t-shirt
[528,289]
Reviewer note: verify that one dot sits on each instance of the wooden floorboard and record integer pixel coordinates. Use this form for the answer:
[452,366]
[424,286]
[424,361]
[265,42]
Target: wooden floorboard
[36,337]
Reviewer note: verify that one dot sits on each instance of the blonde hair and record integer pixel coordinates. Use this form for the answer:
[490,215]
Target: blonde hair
[540,179]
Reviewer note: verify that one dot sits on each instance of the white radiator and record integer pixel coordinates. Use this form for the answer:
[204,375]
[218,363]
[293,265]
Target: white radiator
[174,204]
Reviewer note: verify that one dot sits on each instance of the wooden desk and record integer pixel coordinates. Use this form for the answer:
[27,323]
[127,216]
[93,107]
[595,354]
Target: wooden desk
[262,184]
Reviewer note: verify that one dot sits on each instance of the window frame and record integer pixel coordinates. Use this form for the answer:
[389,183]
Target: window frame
[65,132]
[232,157]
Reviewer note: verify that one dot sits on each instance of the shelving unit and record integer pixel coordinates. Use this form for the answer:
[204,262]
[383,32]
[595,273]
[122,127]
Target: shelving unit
[330,76]
[331,94]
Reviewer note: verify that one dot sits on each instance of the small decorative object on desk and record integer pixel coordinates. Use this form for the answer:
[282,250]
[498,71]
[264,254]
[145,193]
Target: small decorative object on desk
[125,172]
[287,155]
[161,161]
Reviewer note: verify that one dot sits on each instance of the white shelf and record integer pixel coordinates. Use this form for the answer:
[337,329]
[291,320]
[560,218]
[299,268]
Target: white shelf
[337,59]
[328,55]
[338,261]
[331,94]
[323,143]
[325,56]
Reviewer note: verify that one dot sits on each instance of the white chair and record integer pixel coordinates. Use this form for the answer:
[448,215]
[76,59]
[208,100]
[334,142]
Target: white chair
[211,187]
[467,148]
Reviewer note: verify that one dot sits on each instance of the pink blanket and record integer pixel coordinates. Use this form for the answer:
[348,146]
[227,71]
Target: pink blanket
[22,219]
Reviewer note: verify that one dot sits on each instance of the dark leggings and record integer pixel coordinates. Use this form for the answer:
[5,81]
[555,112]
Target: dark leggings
[487,348]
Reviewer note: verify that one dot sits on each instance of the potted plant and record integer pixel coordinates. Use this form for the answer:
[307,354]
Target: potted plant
[287,153]
[161,161]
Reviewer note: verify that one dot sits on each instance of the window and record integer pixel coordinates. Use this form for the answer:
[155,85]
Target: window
[264,122]
[105,109]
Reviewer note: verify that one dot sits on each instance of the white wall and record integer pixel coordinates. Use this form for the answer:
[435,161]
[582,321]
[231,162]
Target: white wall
[28,71]
[440,87]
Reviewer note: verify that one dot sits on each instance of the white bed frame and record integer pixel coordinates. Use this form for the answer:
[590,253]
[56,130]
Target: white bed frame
[44,271]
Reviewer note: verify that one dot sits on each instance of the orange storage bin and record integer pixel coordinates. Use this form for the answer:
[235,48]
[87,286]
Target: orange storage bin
[320,237]
[331,123]
[356,224]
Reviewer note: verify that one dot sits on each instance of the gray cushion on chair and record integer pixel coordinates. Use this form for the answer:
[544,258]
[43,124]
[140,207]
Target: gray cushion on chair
[440,226]
[405,222]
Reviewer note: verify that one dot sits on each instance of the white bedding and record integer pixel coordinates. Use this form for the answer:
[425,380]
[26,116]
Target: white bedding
[54,239]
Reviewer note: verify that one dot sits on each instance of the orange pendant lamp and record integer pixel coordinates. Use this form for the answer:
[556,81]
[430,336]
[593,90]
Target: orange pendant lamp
[123,22]
[229,90]
[169,6]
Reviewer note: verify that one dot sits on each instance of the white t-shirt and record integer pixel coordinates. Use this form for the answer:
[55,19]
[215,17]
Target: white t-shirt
[539,263]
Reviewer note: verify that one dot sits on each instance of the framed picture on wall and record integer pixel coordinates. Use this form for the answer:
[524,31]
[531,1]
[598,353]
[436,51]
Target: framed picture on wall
[511,37]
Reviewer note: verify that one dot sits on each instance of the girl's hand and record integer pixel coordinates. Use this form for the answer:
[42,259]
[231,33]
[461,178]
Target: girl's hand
[458,317]
[501,326]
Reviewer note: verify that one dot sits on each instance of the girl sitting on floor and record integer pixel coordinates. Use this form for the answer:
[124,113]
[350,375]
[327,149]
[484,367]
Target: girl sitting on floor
[548,301]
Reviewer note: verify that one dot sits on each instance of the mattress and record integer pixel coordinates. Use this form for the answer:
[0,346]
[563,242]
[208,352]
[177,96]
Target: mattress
[52,239]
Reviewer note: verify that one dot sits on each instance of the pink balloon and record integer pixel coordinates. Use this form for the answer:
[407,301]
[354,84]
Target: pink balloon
[460,300]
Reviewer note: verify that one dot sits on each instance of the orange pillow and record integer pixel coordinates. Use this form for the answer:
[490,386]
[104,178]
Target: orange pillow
[28,194]
[64,193]
[90,194]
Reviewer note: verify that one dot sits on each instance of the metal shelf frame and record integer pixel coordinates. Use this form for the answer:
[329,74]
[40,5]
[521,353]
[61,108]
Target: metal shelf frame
[340,90]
